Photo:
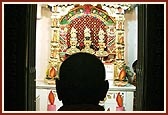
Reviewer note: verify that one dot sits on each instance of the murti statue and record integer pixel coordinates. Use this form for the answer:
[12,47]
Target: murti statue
[73,42]
[54,63]
[101,52]
[54,22]
[87,42]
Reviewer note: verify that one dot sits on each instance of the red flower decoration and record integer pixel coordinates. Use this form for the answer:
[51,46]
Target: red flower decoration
[52,72]
[87,9]
[51,98]
[119,100]
[81,44]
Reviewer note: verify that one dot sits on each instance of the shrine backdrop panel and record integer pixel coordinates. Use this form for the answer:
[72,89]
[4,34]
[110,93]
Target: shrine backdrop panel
[92,18]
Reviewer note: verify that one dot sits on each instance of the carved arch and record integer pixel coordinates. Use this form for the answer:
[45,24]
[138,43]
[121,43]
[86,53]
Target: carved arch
[98,18]
[87,10]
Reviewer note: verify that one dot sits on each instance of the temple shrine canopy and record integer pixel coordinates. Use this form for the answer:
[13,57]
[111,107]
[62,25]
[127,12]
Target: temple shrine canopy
[111,8]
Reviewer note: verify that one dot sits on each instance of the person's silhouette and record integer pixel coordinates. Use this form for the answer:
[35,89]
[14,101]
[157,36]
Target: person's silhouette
[81,84]
[134,66]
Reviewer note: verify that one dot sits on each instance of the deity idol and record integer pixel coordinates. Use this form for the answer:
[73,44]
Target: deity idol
[87,42]
[73,42]
[101,52]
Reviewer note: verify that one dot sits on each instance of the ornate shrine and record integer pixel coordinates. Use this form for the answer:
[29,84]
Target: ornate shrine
[87,28]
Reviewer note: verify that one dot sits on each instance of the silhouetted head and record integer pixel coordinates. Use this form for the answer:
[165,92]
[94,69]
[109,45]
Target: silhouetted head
[134,65]
[81,80]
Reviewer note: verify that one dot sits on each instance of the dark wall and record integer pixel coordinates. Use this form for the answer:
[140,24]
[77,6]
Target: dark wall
[150,72]
[14,56]
[17,36]
[155,60]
